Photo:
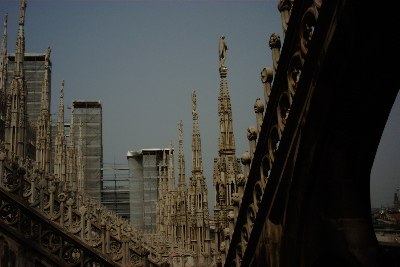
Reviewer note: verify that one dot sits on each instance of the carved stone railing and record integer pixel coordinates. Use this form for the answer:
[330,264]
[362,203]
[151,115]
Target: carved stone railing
[80,217]
[257,203]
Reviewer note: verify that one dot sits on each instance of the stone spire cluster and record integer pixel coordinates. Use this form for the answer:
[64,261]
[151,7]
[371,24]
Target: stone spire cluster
[16,118]
[226,165]
[182,212]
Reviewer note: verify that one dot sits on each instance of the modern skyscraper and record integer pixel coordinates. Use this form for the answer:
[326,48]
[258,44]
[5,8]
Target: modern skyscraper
[144,166]
[35,69]
[88,115]
[36,72]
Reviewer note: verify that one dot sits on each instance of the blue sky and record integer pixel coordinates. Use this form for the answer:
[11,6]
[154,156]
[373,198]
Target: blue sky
[142,59]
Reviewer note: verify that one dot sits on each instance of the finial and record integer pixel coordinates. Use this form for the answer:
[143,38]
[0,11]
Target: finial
[62,88]
[180,129]
[194,101]
[5,24]
[4,42]
[22,12]
[274,41]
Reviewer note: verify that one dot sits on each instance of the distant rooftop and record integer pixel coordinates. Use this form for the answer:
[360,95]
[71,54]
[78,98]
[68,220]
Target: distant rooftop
[86,104]
[132,153]
[29,56]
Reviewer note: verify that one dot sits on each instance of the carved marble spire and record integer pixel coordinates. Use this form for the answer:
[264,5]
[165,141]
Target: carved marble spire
[3,63]
[171,169]
[3,79]
[43,126]
[60,153]
[20,50]
[226,140]
[197,162]
[226,165]
[16,118]
[181,160]
[198,196]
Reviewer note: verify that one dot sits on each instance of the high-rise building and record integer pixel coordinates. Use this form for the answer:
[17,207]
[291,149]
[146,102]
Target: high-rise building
[88,115]
[144,166]
[35,68]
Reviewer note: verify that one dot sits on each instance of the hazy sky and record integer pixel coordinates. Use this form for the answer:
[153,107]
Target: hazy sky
[142,59]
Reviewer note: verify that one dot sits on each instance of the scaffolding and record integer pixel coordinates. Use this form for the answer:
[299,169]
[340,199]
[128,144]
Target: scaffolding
[89,115]
[115,190]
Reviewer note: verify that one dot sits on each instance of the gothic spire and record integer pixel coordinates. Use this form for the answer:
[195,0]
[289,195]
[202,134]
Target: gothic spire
[197,163]
[226,165]
[3,60]
[181,159]
[20,50]
[171,170]
[43,146]
[199,216]
[44,104]
[226,140]
[60,121]
[3,80]
[60,162]
[16,118]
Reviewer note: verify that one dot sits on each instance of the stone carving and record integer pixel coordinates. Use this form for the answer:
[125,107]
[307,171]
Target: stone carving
[222,51]
[274,130]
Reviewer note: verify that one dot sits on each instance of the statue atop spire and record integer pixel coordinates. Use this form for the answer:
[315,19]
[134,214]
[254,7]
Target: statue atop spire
[222,51]
[226,165]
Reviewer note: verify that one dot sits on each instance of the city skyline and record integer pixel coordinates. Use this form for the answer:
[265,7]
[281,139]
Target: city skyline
[142,60]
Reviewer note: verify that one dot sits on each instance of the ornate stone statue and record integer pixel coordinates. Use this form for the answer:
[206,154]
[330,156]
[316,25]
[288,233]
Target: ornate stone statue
[222,51]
